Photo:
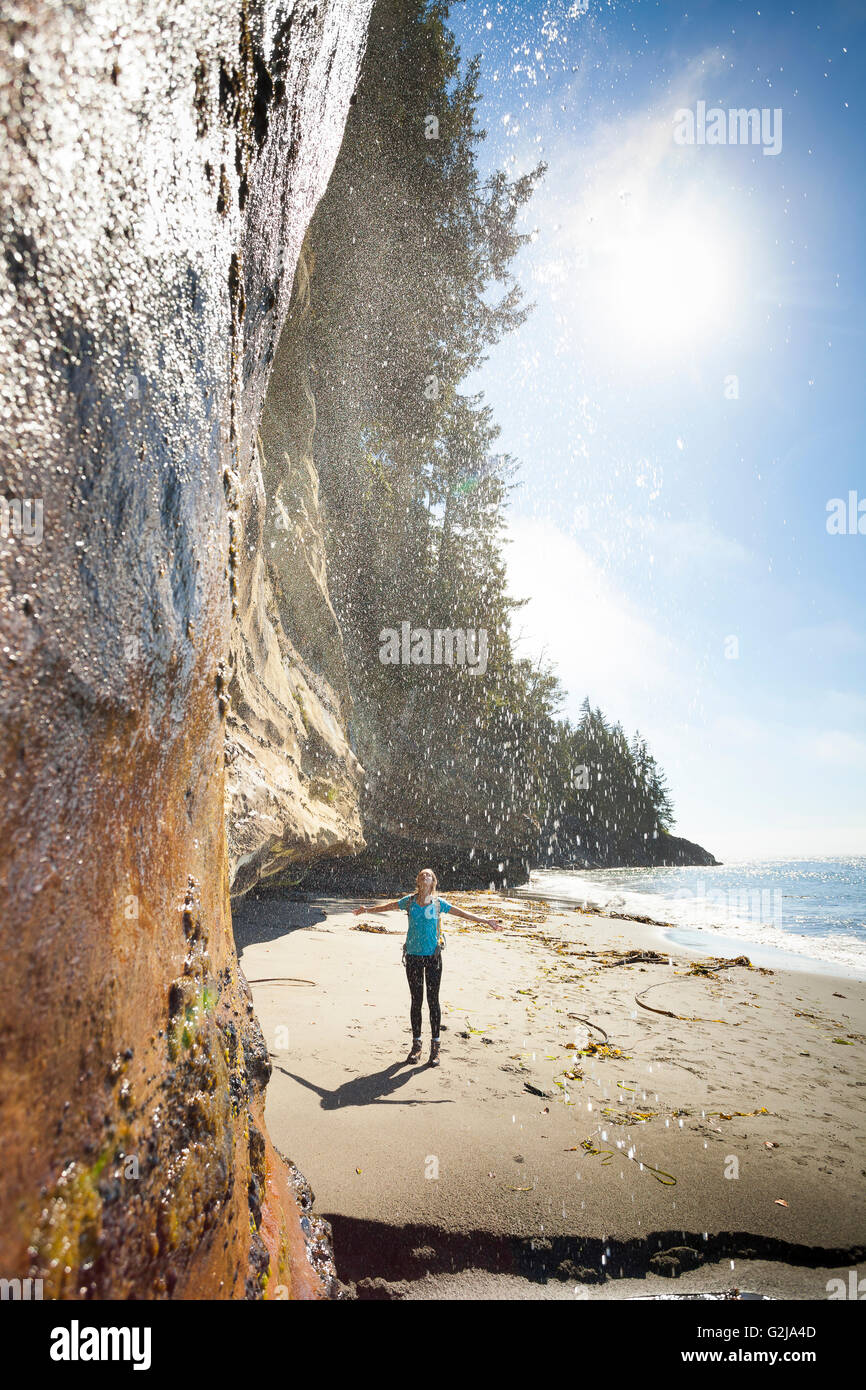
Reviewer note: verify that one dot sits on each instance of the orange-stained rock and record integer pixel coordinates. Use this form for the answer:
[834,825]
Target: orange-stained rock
[159,166]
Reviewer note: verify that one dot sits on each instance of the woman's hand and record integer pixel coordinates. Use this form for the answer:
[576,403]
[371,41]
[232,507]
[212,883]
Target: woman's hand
[495,923]
[356,911]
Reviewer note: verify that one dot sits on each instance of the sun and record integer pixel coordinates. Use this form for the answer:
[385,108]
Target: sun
[670,285]
[659,285]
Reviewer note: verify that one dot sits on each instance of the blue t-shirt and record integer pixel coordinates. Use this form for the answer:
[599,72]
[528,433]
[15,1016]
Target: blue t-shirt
[422,937]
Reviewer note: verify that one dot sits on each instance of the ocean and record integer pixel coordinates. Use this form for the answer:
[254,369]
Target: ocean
[809,913]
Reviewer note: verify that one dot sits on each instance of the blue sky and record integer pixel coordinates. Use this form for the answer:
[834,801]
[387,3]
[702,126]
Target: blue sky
[688,395]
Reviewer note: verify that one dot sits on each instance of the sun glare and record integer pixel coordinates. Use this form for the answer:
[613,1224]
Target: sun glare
[663,286]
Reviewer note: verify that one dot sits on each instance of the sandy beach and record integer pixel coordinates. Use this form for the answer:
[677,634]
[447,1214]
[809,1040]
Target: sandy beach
[601,1126]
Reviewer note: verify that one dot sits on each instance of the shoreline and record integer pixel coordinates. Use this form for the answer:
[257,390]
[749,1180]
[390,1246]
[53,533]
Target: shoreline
[672,934]
[701,1070]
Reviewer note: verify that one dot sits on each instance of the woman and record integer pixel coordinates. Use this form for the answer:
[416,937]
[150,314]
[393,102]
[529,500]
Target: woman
[423,953]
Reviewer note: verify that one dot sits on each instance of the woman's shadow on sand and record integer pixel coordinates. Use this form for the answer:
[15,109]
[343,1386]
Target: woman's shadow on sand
[268,917]
[366,1090]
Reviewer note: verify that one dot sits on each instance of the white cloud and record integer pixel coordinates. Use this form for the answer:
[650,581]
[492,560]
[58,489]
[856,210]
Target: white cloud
[737,779]
[836,748]
[598,641]
[840,706]
[737,731]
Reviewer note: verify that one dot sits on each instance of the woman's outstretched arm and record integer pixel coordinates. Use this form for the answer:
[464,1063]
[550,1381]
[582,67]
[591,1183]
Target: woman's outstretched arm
[470,917]
[377,907]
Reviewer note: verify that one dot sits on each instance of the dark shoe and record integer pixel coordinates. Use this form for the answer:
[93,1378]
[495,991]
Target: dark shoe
[434,1054]
[414,1055]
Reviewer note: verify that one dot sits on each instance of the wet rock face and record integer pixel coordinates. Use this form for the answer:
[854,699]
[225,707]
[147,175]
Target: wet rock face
[159,166]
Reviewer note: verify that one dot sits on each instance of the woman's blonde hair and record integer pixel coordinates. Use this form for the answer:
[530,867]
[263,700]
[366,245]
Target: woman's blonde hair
[418,879]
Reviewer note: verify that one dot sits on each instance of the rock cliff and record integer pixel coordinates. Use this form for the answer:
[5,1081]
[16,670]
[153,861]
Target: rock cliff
[159,166]
[566,848]
[293,781]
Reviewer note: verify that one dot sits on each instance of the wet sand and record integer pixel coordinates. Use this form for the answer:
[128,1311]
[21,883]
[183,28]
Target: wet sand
[522,1168]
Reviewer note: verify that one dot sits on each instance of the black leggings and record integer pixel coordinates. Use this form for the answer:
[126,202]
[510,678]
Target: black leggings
[416,969]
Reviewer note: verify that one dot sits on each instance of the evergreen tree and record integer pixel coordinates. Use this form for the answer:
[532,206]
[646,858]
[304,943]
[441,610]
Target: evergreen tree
[411,283]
